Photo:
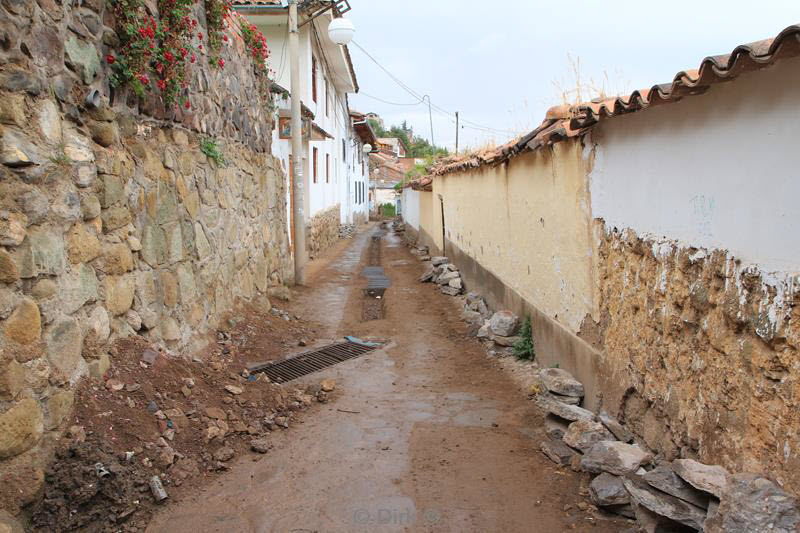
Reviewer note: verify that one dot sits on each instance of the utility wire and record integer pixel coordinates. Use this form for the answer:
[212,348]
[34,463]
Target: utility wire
[412,92]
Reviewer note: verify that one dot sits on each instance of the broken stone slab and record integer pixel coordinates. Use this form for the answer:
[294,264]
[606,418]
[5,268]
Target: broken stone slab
[650,522]
[555,427]
[456,283]
[508,342]
[584,434]
[427,276]
[471,317]
[664,504]
[445,278]
[570,400]
[439,260]
[504,323]
[484,332]
[565,411]
[450,291]
[666,480]
[615,458]
[753,503]
[560,381]
[713,479]
[557,451]
[607,490]
[615,427]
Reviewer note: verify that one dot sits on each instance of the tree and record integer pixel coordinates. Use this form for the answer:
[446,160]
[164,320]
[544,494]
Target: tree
[418,148]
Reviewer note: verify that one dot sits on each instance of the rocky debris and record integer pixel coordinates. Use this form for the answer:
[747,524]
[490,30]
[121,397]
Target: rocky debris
[555,427]
[9,524]
[557,451]
[233,389]
[484,332]
[224,454]
[754,504]
[607,490]
[507,342]
[439,260]
[619,431]
[562,410]
[476,303]
[666,480]
[327,385]
[450,291]
[559,381]
[664,504]
[713,479]
[428,276]
[615,458]
[504,323]
[260,445]
[584,434]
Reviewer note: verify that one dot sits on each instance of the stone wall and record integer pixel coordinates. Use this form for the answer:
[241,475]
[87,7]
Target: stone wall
[700,355]
[322,231]
[113,221]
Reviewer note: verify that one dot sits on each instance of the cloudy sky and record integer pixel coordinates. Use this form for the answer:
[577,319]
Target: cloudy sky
[503,64]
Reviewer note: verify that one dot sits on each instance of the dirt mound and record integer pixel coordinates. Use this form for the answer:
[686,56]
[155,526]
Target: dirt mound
[181,419]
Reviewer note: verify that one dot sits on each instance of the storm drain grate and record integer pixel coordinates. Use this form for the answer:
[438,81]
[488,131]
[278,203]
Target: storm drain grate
[310,362]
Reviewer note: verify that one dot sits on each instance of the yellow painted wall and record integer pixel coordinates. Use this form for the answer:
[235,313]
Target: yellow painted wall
[528,223]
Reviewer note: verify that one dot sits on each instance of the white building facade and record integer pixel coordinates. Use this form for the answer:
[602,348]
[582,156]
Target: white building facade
[334,168]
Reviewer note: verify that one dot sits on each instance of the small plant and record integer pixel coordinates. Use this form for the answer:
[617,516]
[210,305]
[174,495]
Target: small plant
[209,147]
[388,210]
[60,158]
[217,11]
[524,348]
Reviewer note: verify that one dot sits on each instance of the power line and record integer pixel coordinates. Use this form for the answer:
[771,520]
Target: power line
[412,92]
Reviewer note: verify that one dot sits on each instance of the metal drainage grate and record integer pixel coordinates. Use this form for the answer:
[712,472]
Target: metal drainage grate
[310,362]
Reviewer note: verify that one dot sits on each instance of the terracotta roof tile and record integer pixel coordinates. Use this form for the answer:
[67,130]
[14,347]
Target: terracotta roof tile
[563,122]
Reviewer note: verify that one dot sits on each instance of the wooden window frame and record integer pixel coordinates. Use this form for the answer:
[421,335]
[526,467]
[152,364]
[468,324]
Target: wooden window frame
[316,153]
[314,78]
[327,168]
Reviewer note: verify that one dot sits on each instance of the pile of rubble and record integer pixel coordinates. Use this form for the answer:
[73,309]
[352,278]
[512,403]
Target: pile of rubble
[682,495]
[444,274]
[346,231]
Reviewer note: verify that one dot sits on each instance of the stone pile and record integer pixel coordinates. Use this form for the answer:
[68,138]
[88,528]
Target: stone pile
[682,495]
[445,275]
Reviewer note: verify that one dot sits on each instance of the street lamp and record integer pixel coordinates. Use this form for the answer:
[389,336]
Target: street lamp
[367,148]
[341,31]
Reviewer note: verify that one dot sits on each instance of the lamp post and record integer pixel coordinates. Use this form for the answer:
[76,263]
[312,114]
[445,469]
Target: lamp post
[341,32]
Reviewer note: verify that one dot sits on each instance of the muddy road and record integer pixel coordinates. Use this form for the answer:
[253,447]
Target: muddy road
[426,434]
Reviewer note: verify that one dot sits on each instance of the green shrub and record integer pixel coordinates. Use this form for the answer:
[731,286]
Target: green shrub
[524,348]
[209,147]
[388,210]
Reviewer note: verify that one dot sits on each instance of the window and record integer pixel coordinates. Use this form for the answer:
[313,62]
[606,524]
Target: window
[362,167]
[327,99]
[327,168]
[315,165]
[314,78]
[344,151]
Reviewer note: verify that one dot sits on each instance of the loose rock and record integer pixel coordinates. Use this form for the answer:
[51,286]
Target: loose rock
[504,323]
[260,445]
[665,505]
[615,427]
[567,412]
[560,381]
[584,434]
[607,490]
[753,504]
[713,479]
[615,458]
[557,451]
[666,480]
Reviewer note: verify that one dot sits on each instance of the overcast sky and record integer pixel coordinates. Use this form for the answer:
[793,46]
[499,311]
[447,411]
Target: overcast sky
[503,64]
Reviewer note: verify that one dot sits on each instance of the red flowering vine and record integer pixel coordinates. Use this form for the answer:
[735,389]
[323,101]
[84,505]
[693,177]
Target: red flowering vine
[256,45]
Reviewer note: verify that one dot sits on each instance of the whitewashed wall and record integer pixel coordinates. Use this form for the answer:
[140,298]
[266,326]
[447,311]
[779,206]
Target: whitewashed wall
[718,170]
[411,207]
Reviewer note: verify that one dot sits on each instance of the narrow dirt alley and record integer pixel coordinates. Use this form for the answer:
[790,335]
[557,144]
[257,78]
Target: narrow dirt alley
[427,434]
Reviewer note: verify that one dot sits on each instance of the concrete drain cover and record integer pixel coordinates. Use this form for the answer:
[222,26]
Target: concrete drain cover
[310,362]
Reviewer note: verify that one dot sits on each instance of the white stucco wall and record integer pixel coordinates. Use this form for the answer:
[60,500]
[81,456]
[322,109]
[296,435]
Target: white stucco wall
[718,170]
[411,207]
